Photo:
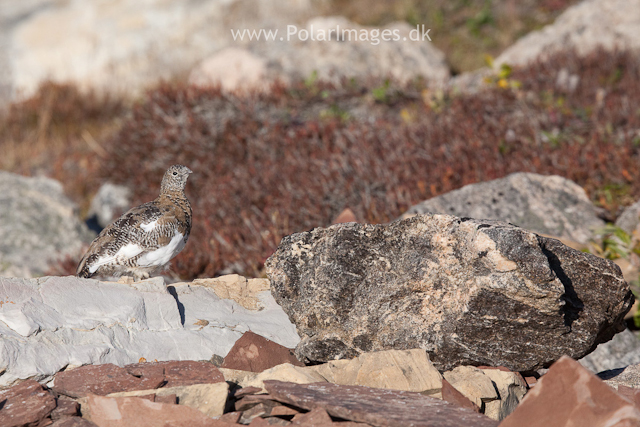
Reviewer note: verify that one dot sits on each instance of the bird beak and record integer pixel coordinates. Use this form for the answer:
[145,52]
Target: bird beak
[189,170]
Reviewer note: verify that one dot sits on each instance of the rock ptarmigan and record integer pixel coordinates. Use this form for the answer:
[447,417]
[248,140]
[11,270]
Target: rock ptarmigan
[144,239]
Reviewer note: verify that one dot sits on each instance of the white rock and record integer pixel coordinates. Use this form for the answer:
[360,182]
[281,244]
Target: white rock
[39,225]
[110,202]
[234,69]
[49,323]
[550,205]
[585,26]
[124,45]
[257,64]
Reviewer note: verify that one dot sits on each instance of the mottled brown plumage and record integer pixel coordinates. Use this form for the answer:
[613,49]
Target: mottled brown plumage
[144,239]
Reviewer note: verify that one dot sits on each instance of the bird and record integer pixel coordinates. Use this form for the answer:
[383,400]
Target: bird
[144,239]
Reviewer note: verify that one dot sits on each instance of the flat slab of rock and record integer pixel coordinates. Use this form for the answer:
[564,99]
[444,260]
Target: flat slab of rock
[571,395]
[210,399]
[374,406]
[25,404]
[409,370]
[469,292]
[550,205]
[49,323]
[108,378]
[130,411]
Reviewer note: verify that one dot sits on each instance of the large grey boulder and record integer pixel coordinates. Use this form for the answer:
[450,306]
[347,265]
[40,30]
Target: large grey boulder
[623,350]
[39,225]
[590,24]
[550,205]
[49,323]
[629,219]
[467,291]
[321,48]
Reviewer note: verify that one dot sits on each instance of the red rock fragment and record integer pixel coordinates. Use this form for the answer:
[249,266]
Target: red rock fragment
[65,408]
[24,404]
[246,391]
[188,372]
[251,400]
[133,411]
[255,353]
[73,422]
[315,418]
[452,395]
[102,380]
[150,397]
[283,411]
[45,422]
[633,394]
[231,417]
[179,372]
[571,395]
[379,407]
[346,215]
[170,399]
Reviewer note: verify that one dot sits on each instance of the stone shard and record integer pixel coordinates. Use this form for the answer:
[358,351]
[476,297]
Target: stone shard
[473,384]
[315,418]
[133,411]
[255,353]
[633,394]
[73,422]
[571,395]
[65,408]
[25,404]
[179,372]
[469,292]
[550,205]
[409,370]
[210,399]
[628,376]
[284,372]
[452,395]
[374,406]
[511,389]
[102,380]
[346,215]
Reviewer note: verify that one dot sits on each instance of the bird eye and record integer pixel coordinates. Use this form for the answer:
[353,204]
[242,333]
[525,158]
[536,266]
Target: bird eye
[175,173]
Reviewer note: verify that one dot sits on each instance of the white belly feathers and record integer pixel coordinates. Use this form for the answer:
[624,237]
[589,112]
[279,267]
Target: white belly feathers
[162,255]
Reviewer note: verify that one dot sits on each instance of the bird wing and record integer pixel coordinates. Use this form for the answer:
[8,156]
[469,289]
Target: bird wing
[136,232]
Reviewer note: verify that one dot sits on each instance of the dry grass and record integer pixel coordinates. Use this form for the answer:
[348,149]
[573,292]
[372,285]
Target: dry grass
[272,164]
[56,133]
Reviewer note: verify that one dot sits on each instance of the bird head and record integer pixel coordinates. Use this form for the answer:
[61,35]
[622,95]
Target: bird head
[175,178]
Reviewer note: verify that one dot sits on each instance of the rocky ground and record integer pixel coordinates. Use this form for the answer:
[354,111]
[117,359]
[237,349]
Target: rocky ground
[504,302]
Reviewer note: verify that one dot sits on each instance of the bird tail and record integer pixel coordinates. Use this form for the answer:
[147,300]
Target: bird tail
[83,269]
